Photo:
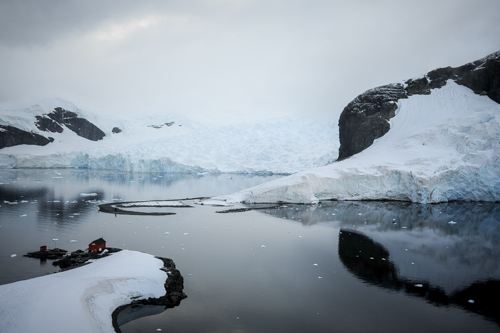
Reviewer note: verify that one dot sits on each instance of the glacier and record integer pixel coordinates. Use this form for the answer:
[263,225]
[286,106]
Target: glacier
[173,144]
[440,147]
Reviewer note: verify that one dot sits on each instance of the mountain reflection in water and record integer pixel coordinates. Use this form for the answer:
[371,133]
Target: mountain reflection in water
[448,254]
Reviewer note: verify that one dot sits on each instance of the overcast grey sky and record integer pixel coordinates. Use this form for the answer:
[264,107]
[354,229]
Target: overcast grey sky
[229,59]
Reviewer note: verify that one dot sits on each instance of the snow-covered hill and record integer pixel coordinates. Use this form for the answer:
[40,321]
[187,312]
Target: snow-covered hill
[171,143]
[440,147]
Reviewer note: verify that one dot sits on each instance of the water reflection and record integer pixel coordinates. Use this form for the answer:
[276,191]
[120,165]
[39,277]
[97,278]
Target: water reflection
[448,254]
[369,261]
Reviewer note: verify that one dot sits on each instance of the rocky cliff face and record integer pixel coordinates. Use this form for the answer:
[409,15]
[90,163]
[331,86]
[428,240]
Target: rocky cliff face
[53,122]
[82,127]
[13,136]
[366,118]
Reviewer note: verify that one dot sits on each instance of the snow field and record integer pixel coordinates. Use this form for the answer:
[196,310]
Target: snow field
[83,299]
[186,146]
[441,147]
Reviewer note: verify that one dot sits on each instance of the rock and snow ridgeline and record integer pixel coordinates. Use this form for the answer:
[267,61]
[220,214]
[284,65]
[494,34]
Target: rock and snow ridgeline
[443,145]
[161,143]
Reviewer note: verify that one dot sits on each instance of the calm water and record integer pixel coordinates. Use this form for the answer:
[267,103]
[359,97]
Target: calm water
[340,266]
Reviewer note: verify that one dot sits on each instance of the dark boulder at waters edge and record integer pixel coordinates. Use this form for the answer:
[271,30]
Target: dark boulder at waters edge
[366,118]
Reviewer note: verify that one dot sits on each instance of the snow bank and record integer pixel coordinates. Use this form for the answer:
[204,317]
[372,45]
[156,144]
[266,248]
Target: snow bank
[82,299]
[441,147]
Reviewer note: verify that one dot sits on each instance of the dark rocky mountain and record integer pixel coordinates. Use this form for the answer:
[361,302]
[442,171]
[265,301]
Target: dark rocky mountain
[366,118]
[13,136]
[52,123]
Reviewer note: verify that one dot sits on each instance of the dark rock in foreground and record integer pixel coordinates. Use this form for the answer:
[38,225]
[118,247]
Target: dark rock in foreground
[366,118]
[174,294]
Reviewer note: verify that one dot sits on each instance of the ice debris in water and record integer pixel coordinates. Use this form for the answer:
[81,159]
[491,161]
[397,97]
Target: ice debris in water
[167,233]
[186,233]
[471,301]
[263,246]
[452,222]
[13,255]
[73,241]
[88,194]
[315,264]
[419,285]
[23,215]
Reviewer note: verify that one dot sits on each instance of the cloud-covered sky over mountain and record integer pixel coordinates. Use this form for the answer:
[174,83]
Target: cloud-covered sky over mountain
[227,59]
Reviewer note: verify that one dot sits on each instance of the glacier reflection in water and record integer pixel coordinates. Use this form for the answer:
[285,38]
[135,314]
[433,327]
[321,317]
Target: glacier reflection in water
[289,269]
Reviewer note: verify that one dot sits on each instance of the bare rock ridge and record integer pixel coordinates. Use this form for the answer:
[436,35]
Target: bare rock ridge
[53,122]
[366,118]
[13,136]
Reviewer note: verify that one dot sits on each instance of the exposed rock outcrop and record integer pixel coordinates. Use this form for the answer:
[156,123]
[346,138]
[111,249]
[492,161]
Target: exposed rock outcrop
[81,126]
[174,292]
[366,118]
[13,136]
[53,122]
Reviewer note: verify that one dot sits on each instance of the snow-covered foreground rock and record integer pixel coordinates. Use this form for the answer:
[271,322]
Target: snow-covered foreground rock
[171,143]
[82,299]
[440,147]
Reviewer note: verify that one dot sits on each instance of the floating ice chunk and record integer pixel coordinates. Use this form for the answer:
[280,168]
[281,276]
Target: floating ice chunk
[76,214]
[13,255]
[23,215]
[315,264]
[452,222]
[320,277]
[166,233]
[372,258]
[88,194]
[24,201]
[471,301]
[419,285]
[360,213]
[73,241]
[263,246]
[186,233]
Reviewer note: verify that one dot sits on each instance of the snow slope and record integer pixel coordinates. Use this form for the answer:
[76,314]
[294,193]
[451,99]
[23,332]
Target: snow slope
[277,146]
[441,147]
[82,299]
